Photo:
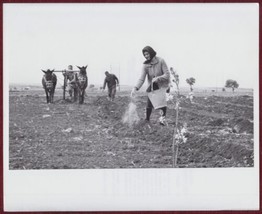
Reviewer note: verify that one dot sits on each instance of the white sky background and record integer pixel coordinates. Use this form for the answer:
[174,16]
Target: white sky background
[210,42]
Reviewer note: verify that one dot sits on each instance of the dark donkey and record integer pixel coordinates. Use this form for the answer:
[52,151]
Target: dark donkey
[49,83]
[82,82]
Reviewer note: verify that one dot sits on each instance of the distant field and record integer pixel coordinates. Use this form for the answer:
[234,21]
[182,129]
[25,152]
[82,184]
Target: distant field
[127,89]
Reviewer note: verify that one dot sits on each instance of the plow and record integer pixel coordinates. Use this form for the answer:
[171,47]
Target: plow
[68,74]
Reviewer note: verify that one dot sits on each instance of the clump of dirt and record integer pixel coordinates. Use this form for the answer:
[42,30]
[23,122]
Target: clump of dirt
[235,151]
[243,126]
[99,101]
[217,122]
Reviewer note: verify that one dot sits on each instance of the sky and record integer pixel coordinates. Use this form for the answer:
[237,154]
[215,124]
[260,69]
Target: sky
[210,42]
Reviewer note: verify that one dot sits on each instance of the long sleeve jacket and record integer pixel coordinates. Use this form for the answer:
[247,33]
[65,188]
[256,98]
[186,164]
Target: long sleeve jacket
[156,68]
[111,80]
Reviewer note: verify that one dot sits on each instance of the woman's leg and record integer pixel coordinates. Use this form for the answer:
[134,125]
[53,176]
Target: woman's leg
[149,108]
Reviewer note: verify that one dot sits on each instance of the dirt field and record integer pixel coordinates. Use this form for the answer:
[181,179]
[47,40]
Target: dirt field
[67,135]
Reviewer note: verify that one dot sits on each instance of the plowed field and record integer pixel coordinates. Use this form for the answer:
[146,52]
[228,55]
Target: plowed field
[66,135]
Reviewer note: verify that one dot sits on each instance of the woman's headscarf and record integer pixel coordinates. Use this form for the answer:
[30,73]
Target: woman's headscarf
[151,52]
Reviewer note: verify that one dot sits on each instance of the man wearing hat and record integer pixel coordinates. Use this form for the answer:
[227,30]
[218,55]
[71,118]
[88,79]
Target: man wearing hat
[71,83]
[111,81]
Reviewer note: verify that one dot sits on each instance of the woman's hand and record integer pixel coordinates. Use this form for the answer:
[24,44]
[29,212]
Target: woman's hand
[155,79]
[133,92]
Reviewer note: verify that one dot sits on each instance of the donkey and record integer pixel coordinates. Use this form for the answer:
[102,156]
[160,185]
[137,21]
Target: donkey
[82,83]
[49,81]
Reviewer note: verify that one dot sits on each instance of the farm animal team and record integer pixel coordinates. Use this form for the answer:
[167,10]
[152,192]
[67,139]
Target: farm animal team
[76,83]
[154,68]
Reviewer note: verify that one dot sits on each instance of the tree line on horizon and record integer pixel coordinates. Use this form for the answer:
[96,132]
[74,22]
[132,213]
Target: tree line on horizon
[233,84]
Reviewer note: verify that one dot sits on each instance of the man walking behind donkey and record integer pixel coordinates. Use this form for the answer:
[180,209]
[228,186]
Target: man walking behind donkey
[112,81]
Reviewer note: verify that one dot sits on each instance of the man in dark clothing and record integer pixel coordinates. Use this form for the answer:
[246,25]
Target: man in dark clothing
[111,80]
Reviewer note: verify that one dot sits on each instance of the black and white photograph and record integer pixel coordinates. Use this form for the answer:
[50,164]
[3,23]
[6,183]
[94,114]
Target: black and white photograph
[131,100]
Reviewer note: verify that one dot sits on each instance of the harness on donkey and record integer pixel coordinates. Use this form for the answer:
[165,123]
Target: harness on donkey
[49,84]
[75,81]
[49,81]
[82,82]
